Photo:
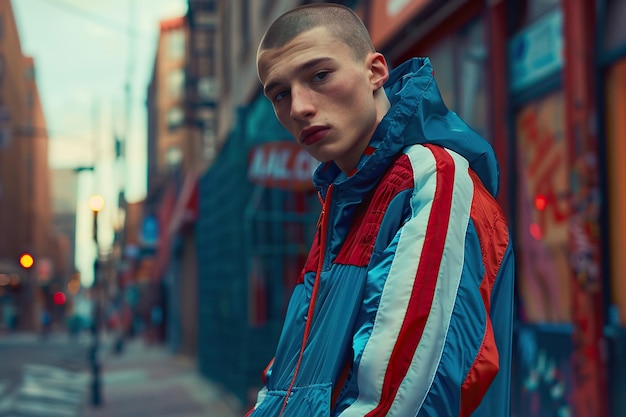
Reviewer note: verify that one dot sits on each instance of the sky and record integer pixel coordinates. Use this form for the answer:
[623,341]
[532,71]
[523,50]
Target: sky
[92,57]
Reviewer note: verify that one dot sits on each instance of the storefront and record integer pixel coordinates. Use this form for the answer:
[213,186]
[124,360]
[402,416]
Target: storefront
[544,379]
[258,211]
[279,223]
[501,67]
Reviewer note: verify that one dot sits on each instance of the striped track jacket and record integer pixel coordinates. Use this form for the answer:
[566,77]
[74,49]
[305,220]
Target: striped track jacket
[404,307]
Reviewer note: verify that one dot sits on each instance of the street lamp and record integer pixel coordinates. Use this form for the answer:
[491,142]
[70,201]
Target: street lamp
[96,204]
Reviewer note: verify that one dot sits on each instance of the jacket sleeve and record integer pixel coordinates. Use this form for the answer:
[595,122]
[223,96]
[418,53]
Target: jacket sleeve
[425,344]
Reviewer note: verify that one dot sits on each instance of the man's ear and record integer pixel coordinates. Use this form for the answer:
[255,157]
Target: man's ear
[379,71]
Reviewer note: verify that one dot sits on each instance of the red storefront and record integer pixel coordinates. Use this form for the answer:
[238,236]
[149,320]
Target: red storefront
[501,66]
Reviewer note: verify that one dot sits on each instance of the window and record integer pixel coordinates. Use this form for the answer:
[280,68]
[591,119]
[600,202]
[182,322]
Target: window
[176,83]
[175,117]
[176,44]
[207,89]
[173,157]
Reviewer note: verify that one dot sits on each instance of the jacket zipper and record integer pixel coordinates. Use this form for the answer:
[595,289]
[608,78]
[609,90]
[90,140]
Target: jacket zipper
[322,225]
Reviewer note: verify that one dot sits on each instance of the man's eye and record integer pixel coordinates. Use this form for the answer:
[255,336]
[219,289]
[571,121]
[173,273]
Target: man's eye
[319,76]
[280,95]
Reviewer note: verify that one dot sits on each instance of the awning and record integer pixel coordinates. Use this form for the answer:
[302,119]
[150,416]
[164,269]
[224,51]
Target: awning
[186,209]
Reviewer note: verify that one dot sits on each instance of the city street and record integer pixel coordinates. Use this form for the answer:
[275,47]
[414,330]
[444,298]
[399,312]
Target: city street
[43,376]
[52,378]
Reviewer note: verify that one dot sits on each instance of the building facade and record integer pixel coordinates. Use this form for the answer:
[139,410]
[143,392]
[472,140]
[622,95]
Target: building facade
[25,201]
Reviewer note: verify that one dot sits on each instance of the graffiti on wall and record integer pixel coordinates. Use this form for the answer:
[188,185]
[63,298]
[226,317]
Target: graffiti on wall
[543,212]
[584,226]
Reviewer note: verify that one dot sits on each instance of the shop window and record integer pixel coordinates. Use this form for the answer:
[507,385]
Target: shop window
[616,193]
[543,211]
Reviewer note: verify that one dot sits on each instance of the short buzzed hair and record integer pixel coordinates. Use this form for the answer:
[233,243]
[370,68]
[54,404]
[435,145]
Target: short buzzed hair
[342,23]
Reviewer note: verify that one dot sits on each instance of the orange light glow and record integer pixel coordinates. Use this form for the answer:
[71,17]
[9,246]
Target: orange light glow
[26,260]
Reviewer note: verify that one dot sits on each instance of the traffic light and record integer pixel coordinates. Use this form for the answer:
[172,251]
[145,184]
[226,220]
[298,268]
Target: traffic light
[27,260]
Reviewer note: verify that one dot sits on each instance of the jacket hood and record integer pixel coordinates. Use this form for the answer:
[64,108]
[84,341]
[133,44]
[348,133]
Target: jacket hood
[418,115]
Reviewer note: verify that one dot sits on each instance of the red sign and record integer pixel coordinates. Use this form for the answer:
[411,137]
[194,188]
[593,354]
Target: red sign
[283,165]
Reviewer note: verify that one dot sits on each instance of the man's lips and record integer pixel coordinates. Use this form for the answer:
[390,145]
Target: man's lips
[313,134]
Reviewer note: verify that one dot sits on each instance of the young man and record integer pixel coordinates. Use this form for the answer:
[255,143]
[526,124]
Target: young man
[404,307]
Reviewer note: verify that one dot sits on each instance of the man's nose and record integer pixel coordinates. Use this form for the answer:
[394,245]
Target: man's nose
[301,103]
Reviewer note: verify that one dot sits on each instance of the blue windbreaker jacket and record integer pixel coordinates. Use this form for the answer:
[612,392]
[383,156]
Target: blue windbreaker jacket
[404,307]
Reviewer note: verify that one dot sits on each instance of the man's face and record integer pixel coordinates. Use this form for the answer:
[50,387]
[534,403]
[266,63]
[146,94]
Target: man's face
[322,95]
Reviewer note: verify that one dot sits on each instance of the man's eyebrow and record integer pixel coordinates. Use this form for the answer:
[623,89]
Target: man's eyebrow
[302,67]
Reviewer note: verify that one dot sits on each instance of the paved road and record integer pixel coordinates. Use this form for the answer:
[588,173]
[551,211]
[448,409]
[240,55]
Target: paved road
[43,377]
[52,378]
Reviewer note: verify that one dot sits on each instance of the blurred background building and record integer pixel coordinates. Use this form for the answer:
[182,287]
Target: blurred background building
[206,263]
[34,255]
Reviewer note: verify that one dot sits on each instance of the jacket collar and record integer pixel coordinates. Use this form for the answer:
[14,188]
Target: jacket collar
[417,115]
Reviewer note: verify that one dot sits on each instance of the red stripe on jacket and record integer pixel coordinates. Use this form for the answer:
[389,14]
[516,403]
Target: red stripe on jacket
[359,244]
[424,285]
[492,233]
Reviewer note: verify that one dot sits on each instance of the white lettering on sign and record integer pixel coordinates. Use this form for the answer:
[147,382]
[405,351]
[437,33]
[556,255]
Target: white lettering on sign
[282,165]
[277,164]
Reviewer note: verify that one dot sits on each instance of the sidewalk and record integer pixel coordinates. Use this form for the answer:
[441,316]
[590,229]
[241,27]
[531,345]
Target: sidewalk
[150,381]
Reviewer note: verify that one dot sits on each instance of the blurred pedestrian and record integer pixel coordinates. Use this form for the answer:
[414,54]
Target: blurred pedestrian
[46,322]
[404,306]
